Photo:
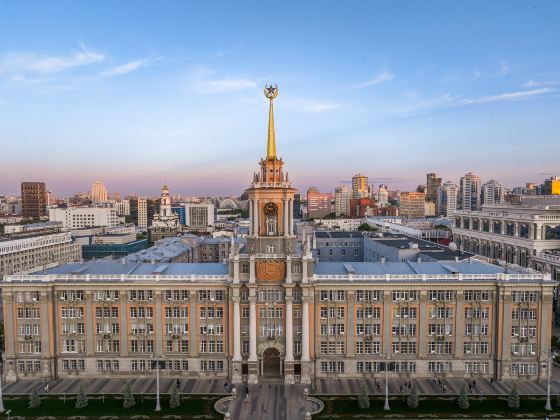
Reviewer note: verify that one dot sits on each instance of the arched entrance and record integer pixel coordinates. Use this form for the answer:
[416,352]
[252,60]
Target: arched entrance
[271,363]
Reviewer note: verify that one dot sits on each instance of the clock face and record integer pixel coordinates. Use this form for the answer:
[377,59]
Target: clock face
[270,209]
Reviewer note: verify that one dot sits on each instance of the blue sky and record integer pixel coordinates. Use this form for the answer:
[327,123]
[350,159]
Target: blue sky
[138,93]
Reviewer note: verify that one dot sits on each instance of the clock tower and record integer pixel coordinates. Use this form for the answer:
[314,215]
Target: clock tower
[271,199]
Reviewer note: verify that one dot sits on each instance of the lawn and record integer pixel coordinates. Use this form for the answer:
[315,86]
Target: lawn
[443,407]
[111,406]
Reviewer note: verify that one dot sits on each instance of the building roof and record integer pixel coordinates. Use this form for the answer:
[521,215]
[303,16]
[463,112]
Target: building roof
[406,267]
[323,234]
[117,268]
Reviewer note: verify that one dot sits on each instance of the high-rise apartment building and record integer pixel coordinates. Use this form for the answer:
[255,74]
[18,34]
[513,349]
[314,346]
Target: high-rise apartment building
[98,192]
[448,194]
[470,192]
[382,197]
[359,186]
[412,205]
[34,199]
[342,201]
[492,193]
[432,185]
[318,204]
[142,210]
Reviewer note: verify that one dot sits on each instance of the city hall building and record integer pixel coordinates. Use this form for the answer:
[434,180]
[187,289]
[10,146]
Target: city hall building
[271,312]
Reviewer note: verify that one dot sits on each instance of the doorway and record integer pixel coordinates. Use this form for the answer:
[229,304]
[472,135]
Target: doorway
[271,363]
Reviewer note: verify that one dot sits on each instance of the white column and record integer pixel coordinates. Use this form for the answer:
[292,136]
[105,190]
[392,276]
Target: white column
[255,218]
[253,329]
[285,207]
[291,218]
[251,217]
[305,330]
[236,330]
[289,331]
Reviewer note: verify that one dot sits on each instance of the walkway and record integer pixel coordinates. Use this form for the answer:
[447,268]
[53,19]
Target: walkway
[116,386]
[270,401]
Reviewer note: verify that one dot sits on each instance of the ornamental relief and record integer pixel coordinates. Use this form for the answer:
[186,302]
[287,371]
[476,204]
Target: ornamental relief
[271,271]
[265,345]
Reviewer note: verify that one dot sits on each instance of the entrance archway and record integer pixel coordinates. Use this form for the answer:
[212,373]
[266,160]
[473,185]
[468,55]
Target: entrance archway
[271,363]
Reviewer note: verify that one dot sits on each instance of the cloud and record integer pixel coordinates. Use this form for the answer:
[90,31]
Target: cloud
[325,106]
[510,96]
[125,68]
[502,71]
[227,84]
[31,62]
[452,101]
[532,83]
[382,77]
[203,82]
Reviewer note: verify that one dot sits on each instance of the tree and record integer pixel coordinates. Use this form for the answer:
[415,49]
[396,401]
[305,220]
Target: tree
[412,400]
[365,227]
[174,399]
[463,399]
[34,399]
[513,398]
[363,399]
[81,398]
[128,397]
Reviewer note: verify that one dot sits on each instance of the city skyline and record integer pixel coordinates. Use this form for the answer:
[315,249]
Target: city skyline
[149,100]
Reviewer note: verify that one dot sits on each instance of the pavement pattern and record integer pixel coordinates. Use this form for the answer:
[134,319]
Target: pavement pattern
[270,401]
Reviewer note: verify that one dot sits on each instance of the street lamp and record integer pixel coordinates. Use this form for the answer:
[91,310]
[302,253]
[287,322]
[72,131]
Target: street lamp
[158,406]
[2,409]
[547,406]
[386,406]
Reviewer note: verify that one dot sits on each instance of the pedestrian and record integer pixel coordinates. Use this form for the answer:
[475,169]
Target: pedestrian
[474,384]
[435,380]
[47,387]
[491,381]
[225,387]
[445,389]
[178,383]
[246,392]
[401,389]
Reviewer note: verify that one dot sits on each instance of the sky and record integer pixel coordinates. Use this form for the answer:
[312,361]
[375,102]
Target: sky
[140,93]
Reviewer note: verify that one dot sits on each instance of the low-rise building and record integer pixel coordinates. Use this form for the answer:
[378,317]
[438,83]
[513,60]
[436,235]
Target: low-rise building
[335,246]
[512,233]
[32,252]
[83,217]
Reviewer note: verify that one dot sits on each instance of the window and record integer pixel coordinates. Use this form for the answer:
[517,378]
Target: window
[404,295]
[211,365]
[332,295]
[332,367]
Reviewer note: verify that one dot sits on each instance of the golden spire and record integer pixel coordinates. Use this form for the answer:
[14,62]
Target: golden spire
[271,93]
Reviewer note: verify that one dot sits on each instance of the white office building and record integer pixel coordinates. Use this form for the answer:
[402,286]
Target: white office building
[199,215]
[82,217]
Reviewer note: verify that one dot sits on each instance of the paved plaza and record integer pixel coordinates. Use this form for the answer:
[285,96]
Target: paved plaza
[270,401]
[276,400]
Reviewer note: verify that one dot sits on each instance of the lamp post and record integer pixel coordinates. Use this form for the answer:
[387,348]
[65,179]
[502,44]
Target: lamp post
[547,406]
[386,406]
[158,406]
[2,409]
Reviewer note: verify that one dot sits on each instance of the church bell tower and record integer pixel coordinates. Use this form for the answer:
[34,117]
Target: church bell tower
[271,198]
